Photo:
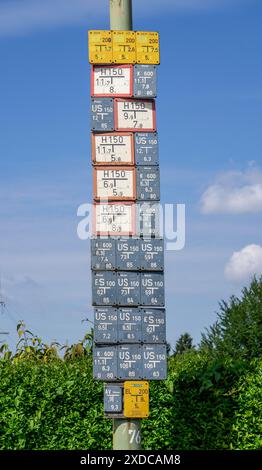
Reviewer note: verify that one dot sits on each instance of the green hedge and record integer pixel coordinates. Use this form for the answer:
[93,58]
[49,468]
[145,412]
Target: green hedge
[51,406]
[57,405]
[247,423]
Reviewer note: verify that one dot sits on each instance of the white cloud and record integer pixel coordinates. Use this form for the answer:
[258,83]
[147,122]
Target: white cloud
[234,193]
[22,17]
[244,263]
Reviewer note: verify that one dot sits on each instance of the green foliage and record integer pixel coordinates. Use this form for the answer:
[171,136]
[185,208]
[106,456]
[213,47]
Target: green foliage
[184,343]
[211,400]
[51,406]
[197,405]
[238,330]
[247,422]
[204,404]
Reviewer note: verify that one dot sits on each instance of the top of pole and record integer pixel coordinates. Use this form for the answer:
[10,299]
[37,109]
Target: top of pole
[121,15]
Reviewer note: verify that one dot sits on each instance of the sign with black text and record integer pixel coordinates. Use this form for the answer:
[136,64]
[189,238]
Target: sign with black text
[135,115]
[111,80]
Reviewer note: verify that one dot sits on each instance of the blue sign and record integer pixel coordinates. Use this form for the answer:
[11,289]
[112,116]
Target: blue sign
[103,288]
[129,325]
[152,289]
[130,362]
[148,183]
[128,289]
[154,325]
[145,81]
[103,254]
[154,362]
[152,254]
[105,363]
[127,254]
[113,398]
[146,148]
[102,114]
[148,219]
[105,325]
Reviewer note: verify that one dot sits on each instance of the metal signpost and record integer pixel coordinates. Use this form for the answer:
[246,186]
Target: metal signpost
[127,253]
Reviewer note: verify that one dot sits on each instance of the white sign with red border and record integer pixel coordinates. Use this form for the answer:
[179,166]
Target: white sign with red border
[135,115]
[114,183]
[115,218]
[113,148]
[112,80]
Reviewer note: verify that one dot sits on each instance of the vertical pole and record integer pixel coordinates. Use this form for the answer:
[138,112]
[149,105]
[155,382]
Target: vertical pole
[121,15]
[126,432]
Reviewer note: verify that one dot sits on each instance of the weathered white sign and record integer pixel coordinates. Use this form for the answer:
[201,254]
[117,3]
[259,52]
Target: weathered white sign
[135,115]
[114,218]
[112,80]
[114,183]
[113,148]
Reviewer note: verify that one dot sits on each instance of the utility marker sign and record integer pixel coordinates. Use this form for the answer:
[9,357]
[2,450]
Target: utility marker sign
[103,288]
[115,80]
[114,219]
[128,288]
[154,325]
[145,85]
[146,148]
[113,184]
[113,148]
[130,361]
[103,254]
[100,47]
[102,114]
[148,183]
[127,254]
[152,289]
[124,47]
[136,399]
[105,325]
[135,115]
[129,325]
[105,363]
[148,219]
[147,47]
[154,362]
[152,254]
[113,400]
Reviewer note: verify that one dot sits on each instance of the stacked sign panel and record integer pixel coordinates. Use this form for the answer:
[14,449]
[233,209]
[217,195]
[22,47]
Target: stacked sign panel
[127,255]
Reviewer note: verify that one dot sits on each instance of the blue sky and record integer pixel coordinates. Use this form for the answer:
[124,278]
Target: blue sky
[209,117]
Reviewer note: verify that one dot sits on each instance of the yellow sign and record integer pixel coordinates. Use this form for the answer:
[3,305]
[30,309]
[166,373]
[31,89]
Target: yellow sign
[147,47]
[124,47]
[136,399]
[100,47]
